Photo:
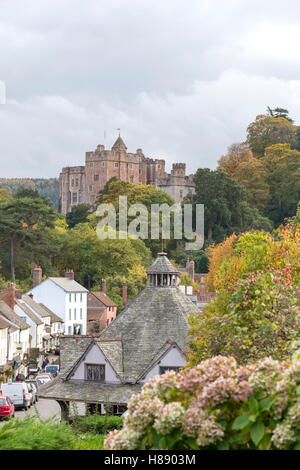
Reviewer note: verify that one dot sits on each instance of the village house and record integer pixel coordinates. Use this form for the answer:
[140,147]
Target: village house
[18,332]
[149,337]
[63,296]
[4,327]
[101,310]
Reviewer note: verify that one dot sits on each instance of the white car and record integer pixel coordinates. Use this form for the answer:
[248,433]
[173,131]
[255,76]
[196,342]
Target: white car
[19,393]
[43,378]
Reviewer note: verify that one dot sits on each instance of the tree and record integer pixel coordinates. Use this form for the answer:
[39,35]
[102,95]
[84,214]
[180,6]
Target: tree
[236,154]
[78,214]
[225,205]
[279,113]
[268,130]
[22,224]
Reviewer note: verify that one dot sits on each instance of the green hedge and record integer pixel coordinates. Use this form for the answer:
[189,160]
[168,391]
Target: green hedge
[97,424]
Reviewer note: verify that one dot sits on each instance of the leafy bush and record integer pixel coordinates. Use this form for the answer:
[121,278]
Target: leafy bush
[33,433]
[97,424]
[216,405]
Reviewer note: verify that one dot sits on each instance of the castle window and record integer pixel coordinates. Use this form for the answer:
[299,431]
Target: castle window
[91,164]
[76,182]
[130,165]
[102,163]
[72,183]
[131,179]
[90,188]
[116,164]
[95,372]
[74,197]
[158,166]
[96,177]
[181,193]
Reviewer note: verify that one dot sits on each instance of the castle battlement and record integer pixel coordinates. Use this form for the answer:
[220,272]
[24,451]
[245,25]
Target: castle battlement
[82,184]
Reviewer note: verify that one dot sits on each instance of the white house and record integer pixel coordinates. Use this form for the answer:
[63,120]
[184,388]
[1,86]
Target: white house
[34,321]
[4,326]
[67,299]
[19,330]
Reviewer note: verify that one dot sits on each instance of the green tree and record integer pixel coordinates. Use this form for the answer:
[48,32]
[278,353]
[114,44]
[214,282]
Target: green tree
[78,214]
[268,130]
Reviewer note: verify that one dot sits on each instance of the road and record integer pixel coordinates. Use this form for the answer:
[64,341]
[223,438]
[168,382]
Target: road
[43,408]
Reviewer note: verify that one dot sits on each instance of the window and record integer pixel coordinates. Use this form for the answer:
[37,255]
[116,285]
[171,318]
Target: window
[90,188]
[91,164]
[74,313]
[130,165]
[95,372]
[116,164]
[69,330]
[70,297]
[164,369]
[80,297]
[181,193]
[70,314]
[72,183]
[81,314]
[96,177]
[74,197]
[74,297]
[102,163]
[131,179]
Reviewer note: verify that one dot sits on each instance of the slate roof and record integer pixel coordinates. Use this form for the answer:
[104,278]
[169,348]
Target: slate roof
[4,324]
[162,265]
[54,318]
[155,316]
[68,285]
[37,320]
[85,391]
[113,351]
[71,350]
[8,313]
[119,143]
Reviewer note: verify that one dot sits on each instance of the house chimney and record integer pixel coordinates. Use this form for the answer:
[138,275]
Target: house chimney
[69,274]
[18,293]
[190,265]
[36,275]
[124,293]
[103,286]
[8,295]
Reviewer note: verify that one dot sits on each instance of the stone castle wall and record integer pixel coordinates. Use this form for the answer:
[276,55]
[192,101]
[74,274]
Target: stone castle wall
[81,184]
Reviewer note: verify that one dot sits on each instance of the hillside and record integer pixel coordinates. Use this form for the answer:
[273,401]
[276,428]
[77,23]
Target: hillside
[48,188]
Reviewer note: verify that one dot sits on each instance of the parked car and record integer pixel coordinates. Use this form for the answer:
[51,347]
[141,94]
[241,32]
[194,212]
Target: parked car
[19,393]
[43,378]
[7,408]
[35,383]
[52,369]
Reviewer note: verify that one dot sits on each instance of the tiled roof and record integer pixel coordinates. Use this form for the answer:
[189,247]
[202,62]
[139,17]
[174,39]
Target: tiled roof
[12,326]
[68,285]
[8,313]
[37,320]
[54,318]
[103,298]
[35,306]
[113,351]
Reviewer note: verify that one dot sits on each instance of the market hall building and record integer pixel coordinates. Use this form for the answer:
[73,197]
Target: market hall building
[147,338]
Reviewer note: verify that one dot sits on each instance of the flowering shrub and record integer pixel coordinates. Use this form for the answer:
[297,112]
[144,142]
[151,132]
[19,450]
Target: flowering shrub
[216,405]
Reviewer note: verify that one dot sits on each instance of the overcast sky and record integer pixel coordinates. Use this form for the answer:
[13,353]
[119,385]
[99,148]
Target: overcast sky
[181,78]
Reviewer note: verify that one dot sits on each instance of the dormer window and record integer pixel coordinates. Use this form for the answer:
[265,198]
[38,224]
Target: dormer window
[95,372]
[164,369]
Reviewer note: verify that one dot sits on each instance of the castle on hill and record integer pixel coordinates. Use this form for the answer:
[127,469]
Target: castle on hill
[81,184]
